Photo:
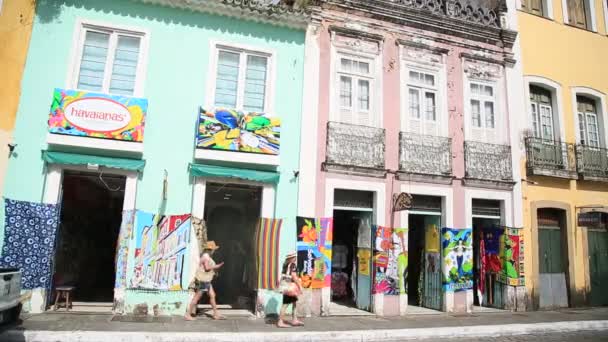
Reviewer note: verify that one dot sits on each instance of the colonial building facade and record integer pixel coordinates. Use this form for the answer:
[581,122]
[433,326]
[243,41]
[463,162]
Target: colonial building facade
[563,133]
[409,97]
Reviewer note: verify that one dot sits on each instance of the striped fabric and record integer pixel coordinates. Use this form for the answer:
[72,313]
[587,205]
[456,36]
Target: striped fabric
[268,237]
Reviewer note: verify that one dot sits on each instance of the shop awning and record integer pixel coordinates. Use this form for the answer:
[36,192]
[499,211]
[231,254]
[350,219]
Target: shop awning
[213,171]
[84,159]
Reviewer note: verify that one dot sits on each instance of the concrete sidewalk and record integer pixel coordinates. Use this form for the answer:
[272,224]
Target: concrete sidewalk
[86,327]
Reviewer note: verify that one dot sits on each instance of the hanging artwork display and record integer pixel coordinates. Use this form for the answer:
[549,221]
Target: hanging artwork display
[267,238]
[363,258]
[457,259]
[232,130]
[390,260]
[122,248]
[314,251]
[160,249]
[512,252]
[88,114]
[30,230]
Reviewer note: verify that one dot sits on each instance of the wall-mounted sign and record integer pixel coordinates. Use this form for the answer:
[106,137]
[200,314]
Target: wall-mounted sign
[232,130]
[82,113]
[590,219]
[402,201]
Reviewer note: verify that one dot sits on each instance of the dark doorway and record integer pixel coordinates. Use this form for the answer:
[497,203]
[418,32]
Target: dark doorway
[232,213]
[91,215]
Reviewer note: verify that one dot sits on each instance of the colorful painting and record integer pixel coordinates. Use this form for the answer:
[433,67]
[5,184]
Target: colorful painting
[364,258]
[86,114]
[268,237]
[30,230]
[160,251]
[391,259]
[314,251]
[512,252]
[232,130]
[122,249]
[457,259]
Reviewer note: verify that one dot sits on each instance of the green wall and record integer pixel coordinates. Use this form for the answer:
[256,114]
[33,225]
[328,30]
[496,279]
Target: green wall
[175,85]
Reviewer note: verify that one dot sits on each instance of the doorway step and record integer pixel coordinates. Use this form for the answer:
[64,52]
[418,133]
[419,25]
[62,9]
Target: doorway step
[225,310]
[88,307]
[336,309]
[484,309]
[419,310]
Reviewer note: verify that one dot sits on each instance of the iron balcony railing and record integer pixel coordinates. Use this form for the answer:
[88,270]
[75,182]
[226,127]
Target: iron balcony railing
[355,146]
[592,162]
[488,162]
[550,158]
[425,154]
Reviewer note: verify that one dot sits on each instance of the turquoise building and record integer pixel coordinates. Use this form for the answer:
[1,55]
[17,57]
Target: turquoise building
[180,110]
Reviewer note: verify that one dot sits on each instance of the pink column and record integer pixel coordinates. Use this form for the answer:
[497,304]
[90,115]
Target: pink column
[324,97]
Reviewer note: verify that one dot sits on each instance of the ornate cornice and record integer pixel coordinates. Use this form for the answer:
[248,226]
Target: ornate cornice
[451,17]
[264,11]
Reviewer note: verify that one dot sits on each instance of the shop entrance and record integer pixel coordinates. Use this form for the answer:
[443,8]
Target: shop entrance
[91,215]
[487,218]
[597,240]
[351,284]
[232,212]
[424,254]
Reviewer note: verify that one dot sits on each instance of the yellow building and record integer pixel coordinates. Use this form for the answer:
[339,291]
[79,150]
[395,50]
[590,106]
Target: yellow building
[16,20]
[564,54]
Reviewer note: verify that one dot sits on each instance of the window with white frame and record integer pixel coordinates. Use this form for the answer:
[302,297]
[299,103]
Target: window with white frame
[422,102]
[109,60]
[542,113]
[588,122]
[355,79]
[241,80]
[483,110]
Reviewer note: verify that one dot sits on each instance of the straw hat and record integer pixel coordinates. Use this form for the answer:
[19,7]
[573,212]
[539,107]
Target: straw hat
[291,255]
[211,245]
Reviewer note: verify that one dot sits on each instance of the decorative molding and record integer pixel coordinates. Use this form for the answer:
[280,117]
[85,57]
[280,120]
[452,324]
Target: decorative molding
[251,10]
[482,70]
[422,44]
[356,40]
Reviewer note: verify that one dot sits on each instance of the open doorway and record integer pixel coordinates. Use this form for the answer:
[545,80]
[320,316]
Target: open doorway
[487,226]
[232,212]
[91,214]
[424,281]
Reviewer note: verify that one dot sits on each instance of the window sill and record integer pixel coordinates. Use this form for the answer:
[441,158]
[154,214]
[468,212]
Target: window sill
[237,157]
[537,15]
[580,28]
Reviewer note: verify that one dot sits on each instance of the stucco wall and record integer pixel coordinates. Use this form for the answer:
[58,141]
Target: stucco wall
[176,83]
[570,57]
[16,19]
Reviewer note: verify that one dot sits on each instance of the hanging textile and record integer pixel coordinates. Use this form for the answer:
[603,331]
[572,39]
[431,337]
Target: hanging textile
[390,260]
[512,252]
[314,251]
[122,248]
[457,247]
[29,241]
[268,238]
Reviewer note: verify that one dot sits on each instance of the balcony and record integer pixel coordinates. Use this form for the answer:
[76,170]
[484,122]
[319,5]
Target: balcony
[550,158]
[488,165]
[425,158]
[592,163]
[355,149]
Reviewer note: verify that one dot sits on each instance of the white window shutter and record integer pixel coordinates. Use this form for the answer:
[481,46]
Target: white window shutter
[94,59]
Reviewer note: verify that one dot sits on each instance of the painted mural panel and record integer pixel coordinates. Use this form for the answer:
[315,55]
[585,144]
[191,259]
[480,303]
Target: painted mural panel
[314,251]
[232,130]
[160,250]
[390,260]
[122,248]
[457,259]
[512,253]
[96,115]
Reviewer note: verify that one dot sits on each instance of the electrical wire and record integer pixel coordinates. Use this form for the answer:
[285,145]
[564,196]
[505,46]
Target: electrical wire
[106,184]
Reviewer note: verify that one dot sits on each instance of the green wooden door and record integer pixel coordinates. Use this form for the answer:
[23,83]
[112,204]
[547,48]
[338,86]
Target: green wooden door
[553,291]
[598,266]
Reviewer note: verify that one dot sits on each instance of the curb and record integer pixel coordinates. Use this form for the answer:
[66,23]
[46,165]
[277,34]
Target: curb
[324,336]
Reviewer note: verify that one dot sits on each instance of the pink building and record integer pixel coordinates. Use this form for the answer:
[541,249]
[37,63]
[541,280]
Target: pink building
[408,97]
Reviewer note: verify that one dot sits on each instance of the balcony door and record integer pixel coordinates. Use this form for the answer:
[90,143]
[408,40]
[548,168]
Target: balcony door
[594,159]
[546,151]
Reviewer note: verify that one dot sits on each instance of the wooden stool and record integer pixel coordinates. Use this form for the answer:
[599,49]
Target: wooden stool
[65,292]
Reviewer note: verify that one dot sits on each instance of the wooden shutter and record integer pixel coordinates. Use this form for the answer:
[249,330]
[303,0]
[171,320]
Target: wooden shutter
[533,6]
[577,13]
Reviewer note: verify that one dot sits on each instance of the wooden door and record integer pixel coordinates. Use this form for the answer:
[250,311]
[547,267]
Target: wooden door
[432,293]
[598,266]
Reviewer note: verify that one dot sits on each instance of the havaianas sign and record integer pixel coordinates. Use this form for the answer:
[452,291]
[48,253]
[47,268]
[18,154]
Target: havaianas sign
[81,113]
